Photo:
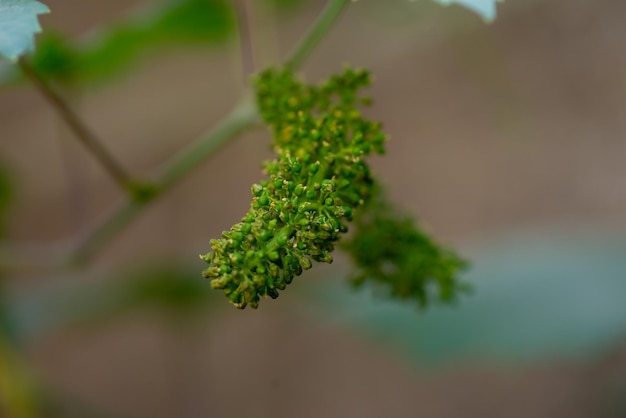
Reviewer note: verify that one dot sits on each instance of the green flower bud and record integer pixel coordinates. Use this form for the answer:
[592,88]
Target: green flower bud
[264,201]
[257,189]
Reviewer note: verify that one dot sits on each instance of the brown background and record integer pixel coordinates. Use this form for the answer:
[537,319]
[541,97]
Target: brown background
[515,125]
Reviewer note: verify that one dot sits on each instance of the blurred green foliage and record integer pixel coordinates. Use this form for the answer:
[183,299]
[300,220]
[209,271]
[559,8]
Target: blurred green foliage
[6,194]
[171,291]
[120,44]
[542,295]
[116,47]
[55,57]
[6,327]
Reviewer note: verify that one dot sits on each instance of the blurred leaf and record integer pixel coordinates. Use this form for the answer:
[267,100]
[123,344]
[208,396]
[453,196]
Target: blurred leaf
[175,23]
[18,395]
[120,44]
[18,25]
[169,290]
[6,324]
[485,8]
[536,296]
[192,21]
[54,57]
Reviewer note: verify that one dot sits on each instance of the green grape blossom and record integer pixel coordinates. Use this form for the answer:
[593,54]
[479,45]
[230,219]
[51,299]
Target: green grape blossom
[317,183]
[317,180]
[391,252]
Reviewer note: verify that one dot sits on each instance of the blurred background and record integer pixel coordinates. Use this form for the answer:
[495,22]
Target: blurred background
[508,143]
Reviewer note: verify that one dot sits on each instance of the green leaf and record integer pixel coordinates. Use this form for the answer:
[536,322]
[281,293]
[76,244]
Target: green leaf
[121,44]
[115,48]
[537,297]
[485,8]
[192,21]
[18,25]
[171,291]
[54,57]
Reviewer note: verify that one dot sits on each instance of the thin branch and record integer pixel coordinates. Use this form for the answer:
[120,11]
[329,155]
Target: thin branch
[84,135]
[316,33]
[242,13]
[104,232]
[241,118]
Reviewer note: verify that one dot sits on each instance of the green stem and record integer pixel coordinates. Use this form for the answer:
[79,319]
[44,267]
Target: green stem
[242,13]
[104,232]
[285,232]
[242,117]
[320,28]
[83,134]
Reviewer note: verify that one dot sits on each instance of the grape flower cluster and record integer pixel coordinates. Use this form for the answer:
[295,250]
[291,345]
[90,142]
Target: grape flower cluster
[317,183]
[391,253]
[318,178]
